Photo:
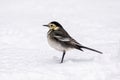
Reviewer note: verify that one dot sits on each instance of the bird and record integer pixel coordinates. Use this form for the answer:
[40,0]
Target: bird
[59,39]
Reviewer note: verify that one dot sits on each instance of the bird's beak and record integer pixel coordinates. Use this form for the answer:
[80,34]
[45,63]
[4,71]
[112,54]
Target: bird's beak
[45,25]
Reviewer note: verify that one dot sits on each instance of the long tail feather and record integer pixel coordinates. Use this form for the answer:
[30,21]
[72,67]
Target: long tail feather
[91,49]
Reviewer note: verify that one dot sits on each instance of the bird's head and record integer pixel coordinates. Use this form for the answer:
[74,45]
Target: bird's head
[53,25]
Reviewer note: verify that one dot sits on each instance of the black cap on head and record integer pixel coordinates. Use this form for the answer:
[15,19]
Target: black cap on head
[56,23]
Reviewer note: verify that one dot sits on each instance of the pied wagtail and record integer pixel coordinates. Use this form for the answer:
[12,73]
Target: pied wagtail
[59,39]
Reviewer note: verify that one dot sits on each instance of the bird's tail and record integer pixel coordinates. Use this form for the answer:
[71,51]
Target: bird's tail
[84,47]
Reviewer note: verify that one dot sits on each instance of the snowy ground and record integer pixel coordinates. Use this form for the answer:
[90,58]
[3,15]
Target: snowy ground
[26,55]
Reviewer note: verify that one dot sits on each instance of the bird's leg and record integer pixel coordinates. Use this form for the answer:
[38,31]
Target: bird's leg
[64,52]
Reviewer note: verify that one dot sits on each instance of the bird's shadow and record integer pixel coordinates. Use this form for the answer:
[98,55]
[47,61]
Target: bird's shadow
[79,60]
[74,60]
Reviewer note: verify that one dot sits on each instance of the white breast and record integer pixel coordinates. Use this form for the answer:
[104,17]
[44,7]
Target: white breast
[55,45]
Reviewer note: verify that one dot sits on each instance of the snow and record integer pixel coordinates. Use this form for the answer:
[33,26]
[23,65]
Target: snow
[26,55]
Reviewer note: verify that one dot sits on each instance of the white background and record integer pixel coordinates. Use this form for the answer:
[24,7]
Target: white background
[26,55]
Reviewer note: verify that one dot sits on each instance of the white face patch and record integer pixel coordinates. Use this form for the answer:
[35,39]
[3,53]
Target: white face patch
[53,26]
[56,28]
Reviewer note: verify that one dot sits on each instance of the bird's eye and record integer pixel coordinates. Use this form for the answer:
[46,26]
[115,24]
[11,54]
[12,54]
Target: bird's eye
[51,25]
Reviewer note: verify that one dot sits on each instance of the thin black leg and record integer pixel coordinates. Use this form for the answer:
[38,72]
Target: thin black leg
[64,52]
